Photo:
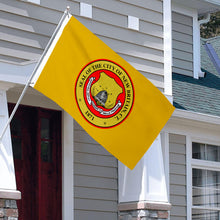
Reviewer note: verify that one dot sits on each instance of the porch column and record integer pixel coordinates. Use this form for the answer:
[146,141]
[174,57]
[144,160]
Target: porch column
[8,192]
[143,191]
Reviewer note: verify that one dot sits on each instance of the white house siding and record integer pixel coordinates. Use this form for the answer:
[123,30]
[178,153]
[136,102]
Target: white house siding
[182,33]
[177,157]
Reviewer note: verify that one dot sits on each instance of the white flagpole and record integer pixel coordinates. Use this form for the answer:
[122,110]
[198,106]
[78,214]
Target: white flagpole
[66,13]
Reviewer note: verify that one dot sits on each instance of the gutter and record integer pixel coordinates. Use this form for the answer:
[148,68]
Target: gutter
[206,19]
[215,2]
[195,116]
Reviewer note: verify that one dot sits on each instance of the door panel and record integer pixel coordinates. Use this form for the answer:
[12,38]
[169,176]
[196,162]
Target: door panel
[49,156]
[36,141]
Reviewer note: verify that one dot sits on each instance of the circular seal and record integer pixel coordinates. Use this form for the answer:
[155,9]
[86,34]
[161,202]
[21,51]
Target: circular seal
[104,93]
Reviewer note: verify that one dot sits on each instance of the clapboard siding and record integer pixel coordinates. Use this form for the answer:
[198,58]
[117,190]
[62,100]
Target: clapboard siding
[177,157]
[92,215]
[9,58]
[32,25]
[182,33]
[178,200]
[24,55]
[99,194]
[141,9]
[128,48]
[12,46]
[181,46]
[37,12]
[153,5]
[27,24]
[95,182]
[101,160]
[178,179]
[7,37]
[87,148]
[23,37]
[145,65]
[96,205]
[95,179]
[94,170]
[123,34]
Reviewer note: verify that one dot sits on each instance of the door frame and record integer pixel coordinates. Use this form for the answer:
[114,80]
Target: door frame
[67,166]
[35,99]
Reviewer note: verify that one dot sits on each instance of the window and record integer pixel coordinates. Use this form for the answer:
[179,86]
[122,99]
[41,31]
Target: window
[46,140]
[205,181]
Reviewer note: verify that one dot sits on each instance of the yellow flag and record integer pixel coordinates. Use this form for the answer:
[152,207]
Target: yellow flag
[113,102]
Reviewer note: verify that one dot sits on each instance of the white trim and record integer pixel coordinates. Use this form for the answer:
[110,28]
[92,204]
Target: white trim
[167,24]
[196,47]
[85,10]
[216,2]
[206,140]
[7,180]
[67,167]
[195,116]
[166,157]
[35,1]
[206,208]
[205,165]
[189,177]
[133,23]
[67,148]
[5,86]
[16,73]
[145,182]
[165,145]
[50,49]
[193,128]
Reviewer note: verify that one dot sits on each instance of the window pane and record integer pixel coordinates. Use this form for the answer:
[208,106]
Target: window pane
[213,153]
[45,128]
[206,190]
[206,152]
[198,151]
[199,186]
[199,178]
[199,214]
[46,151]
[17,149]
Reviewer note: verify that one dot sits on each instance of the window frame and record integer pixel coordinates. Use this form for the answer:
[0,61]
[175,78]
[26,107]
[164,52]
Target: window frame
[198,164]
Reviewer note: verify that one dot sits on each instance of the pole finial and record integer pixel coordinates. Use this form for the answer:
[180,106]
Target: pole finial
[68,10]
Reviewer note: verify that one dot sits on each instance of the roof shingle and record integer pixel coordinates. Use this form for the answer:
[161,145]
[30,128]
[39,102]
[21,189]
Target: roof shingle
[199,95]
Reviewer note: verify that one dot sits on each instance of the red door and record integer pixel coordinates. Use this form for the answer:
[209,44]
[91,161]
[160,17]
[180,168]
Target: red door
[36,142]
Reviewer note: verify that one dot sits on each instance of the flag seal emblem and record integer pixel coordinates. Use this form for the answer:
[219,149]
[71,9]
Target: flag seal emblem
[104,93]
